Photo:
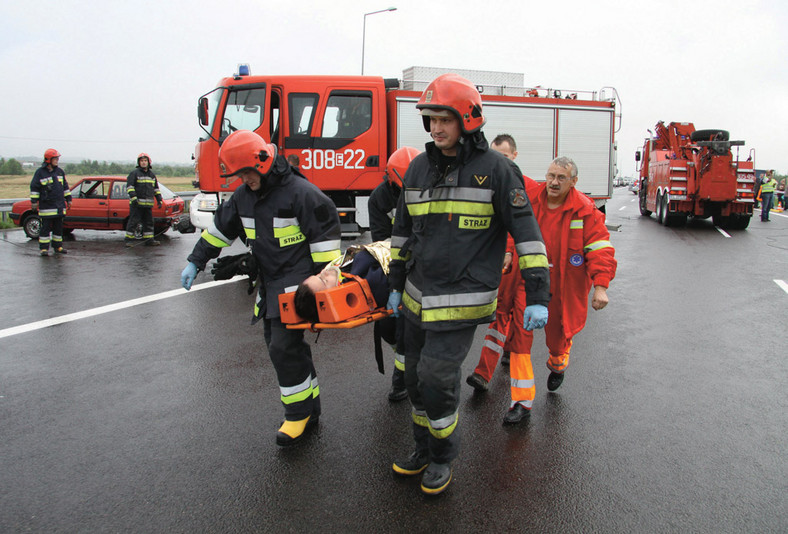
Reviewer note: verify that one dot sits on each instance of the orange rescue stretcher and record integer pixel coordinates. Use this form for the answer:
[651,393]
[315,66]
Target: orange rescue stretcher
[347,305]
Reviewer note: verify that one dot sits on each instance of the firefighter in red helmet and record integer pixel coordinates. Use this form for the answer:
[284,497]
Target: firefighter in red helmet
[447,249]
[293,231]
[50,196]
[142,188]
[382,206]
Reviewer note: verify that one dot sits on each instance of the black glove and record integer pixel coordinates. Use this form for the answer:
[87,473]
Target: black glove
[229,266]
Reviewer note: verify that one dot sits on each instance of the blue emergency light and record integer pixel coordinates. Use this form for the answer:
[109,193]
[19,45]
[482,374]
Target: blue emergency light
[244,70]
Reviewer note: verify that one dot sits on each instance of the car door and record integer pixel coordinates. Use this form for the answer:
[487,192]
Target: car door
[118,205]
[89,205]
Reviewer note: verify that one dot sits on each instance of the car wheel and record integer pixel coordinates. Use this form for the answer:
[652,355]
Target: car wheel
[32,226]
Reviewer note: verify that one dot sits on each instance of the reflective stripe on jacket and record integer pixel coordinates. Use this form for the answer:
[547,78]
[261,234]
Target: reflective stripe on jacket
[450,234]
[291,226]
[49,189]
[587,257]
[143,186]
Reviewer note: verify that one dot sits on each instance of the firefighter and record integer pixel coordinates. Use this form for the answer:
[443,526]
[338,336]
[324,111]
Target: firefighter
[142,187]
[447,250]
[50,196]
[293,231]
[382,206]
[580,255]
[503,334]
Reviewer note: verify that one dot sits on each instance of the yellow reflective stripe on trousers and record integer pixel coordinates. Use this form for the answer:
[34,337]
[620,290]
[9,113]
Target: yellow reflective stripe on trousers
[596,245]
[420,418]
[442,428]
[293,394]
[399,361]
[48,213]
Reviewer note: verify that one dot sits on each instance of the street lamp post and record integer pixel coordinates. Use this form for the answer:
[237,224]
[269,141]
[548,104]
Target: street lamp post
[364,33]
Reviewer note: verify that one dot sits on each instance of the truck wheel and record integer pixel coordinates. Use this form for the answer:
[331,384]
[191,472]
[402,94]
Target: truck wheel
[32,226]
[660,213]
[707,135]
[722,221]
[667,218]
[644,211]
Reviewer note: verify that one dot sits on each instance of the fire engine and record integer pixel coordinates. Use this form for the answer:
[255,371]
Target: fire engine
[686,172]
[343,129]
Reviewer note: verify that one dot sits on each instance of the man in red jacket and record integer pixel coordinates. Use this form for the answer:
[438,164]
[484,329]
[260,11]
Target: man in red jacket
[580,255]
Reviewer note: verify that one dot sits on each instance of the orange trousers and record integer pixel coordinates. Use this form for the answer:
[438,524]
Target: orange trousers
[507,330]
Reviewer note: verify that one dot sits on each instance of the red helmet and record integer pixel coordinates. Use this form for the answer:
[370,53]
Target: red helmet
[144,155]
[245,150]
[49,154]
[452,92]
[398,164]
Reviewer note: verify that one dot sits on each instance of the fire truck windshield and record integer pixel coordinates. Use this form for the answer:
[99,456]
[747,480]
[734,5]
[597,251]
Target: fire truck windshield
[244,110]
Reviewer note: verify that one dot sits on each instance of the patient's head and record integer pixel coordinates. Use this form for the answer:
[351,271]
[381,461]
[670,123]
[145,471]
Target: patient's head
[305,302]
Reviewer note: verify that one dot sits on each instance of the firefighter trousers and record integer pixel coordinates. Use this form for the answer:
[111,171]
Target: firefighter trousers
[295,371]
[140,215]
[51,232]
[433,365]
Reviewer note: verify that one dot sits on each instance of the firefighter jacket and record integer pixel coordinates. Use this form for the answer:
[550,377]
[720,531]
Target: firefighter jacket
[449,237]
[49,189]
[142,186]
[382,207]
[291,226]
[587,256]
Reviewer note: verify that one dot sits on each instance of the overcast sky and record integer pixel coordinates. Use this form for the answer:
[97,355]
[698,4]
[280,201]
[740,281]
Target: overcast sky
[107,80]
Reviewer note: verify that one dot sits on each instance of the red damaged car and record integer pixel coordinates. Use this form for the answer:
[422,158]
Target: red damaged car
[101,203]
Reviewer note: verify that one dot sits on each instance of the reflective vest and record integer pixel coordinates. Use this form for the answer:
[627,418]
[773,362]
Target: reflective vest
[769,186]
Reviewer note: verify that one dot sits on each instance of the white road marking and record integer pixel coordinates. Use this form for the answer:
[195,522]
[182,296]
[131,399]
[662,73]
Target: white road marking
[783,285]
[109,308]
[622,208]
[723,232]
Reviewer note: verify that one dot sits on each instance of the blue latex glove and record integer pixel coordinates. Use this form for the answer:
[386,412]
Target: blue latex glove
[395,299]
[188,275]
[535,316]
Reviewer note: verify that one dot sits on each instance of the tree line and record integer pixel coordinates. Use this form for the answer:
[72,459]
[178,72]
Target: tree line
[94,167]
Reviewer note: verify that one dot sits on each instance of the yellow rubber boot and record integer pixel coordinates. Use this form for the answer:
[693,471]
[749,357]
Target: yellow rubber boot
[291,432]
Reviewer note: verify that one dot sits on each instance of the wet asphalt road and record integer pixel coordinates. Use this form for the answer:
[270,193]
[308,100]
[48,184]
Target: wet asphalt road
[161,417]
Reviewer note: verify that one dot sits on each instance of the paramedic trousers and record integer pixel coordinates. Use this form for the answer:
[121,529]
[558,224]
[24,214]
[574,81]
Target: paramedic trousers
[506,332]
[295,372]
[433,362]
[520,369]
[53,226]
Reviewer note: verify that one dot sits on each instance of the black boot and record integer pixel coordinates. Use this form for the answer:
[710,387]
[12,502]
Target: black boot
[436,478]
[554,380]
[412,465]
[516,414]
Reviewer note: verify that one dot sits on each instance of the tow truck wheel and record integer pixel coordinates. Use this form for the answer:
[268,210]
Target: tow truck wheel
[32,226]
[659,208]
[667,218]
[705,135]
[644,211]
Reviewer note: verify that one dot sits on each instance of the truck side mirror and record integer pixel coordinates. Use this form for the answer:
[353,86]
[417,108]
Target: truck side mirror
[637,155]
[202,111]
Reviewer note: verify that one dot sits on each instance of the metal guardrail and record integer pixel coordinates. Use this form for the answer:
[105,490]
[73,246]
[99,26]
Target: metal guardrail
[7,203]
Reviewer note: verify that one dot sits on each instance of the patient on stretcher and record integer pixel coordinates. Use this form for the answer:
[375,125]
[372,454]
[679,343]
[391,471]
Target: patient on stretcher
[369,262]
